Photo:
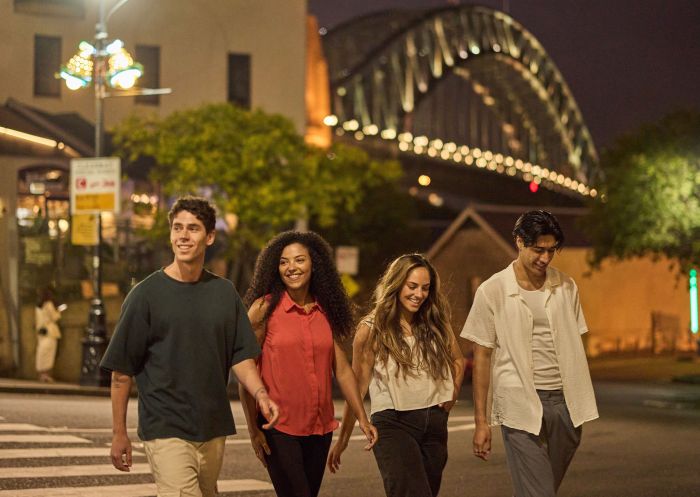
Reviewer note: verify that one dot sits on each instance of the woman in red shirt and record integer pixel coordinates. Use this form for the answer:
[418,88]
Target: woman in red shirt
[300,313]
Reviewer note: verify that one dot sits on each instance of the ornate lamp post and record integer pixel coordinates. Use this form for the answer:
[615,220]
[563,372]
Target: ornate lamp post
[103,64]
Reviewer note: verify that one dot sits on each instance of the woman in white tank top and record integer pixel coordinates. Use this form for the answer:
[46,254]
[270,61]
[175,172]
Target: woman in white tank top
[406,355]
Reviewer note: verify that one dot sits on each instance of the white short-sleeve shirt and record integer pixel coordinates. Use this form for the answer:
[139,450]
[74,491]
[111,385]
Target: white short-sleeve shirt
[499,319]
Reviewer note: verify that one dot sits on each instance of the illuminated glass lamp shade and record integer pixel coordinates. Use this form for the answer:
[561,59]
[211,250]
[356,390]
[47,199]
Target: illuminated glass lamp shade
[123,71]
[78,72]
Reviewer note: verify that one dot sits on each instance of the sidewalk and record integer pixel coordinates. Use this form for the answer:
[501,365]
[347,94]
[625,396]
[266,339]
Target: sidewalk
[655,369]
[663,369]
[13,385]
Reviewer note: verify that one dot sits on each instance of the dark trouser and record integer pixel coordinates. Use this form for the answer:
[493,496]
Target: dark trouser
[538,463]
[296,463]
[411,451]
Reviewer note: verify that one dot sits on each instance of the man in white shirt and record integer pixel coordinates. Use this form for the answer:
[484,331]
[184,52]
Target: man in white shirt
[530,371]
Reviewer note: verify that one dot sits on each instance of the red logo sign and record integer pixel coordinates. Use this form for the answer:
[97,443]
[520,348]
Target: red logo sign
[81,183]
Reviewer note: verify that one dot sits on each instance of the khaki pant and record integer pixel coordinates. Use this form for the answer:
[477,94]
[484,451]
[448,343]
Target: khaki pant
[185,469]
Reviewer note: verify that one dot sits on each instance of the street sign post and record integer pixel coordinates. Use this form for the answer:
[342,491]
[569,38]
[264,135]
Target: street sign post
[95,185]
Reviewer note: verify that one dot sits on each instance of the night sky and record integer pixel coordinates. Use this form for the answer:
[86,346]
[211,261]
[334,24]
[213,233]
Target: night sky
[626,61]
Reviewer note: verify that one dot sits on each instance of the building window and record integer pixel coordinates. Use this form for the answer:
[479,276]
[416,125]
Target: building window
[149,57]
[51,8]
[239,79]
[47,62]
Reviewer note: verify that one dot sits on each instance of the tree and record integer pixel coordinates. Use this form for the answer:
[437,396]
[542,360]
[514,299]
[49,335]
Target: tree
[650,196]
[254,165]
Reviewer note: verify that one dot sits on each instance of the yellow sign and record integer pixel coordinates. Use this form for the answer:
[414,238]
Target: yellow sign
[94,202]
[351,286]
[84,229]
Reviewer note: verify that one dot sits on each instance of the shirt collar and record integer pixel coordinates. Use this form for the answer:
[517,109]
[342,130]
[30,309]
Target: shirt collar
[288,304]
[553,279]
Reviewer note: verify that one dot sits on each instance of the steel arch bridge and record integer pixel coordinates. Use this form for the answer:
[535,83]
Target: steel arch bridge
[466,84]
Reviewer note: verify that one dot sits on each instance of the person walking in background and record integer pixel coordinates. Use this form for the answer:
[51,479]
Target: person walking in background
[181,331]
[301,314]
[46,316]
[530,371]
[406,354]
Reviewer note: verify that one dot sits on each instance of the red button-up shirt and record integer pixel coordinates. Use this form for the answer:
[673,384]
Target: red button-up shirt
[296,366]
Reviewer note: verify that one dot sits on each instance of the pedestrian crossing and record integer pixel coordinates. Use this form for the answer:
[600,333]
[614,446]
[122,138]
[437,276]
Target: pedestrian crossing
[35,461]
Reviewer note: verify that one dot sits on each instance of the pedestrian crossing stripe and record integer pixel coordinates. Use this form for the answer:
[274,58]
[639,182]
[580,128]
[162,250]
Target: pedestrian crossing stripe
[57,452]
[76,470]
[20,427]
[135,490]
[69,439]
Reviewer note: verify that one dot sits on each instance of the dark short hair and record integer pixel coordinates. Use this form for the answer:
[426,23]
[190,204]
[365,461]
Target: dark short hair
[534,224]
[200,207]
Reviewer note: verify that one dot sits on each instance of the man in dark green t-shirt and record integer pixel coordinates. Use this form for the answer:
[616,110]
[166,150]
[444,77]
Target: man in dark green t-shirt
[180,332]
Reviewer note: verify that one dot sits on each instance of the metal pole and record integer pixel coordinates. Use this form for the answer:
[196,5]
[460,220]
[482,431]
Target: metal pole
[95,342]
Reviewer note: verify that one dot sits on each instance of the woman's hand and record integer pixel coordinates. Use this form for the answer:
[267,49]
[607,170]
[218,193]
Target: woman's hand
[371,433]
[333,461]
[259,443]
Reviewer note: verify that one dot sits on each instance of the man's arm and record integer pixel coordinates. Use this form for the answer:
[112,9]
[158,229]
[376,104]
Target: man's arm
[120,452]
[481,378]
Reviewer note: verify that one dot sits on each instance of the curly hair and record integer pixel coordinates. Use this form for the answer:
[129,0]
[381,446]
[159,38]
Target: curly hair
[199,207]
[325,285]
[431,323]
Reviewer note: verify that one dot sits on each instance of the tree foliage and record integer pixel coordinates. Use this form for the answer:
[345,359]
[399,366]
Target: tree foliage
[254,165]
[650,196]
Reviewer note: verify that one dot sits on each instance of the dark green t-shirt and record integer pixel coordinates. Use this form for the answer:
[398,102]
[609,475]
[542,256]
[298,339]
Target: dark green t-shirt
[180,340]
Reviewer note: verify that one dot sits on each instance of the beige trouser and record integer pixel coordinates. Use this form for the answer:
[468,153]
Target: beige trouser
[185,469]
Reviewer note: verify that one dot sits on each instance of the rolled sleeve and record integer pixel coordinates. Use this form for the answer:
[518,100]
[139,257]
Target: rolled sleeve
[578,312]
[480,326]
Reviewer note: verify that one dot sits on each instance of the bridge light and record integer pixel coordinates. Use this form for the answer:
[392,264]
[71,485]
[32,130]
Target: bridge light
[481,162]
[388,134]
[403,146]
[432,152]
[421,141]
[475,50]
[424,180]
[469,160]
[594,192]
[457,157]
[370,129]
[511,171]
[534,187]
[463,54]
[451,147]
[464,150]
[476,152]
[488,155]
[418,149]
[406,137]
[330,120]
[567,182]
[553,176]
[496,47]
[560,179]
[351,125]
[444,155]
[359,136]
[437,143]
[435,199]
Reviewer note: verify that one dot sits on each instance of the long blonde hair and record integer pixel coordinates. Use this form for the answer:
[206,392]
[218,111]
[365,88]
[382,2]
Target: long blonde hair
[431,325]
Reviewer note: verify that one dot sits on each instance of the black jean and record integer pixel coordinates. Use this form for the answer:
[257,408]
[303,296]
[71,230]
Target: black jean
[296,463]
[411,451]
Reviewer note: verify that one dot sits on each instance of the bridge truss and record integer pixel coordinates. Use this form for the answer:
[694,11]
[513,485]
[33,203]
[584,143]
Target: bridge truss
[465,84]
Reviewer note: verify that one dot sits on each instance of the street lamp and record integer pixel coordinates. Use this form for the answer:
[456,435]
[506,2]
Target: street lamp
[103,64]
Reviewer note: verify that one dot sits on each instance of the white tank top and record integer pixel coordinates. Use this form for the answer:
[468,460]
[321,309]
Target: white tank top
[416,391]
[544,356]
